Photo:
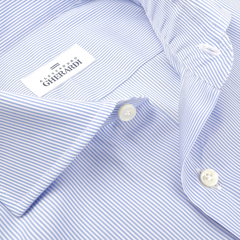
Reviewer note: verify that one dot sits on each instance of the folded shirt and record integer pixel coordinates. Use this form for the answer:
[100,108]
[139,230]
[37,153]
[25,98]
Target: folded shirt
[72,167]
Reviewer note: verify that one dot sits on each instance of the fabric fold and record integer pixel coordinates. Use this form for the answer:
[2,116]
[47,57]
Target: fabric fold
[181,27]
[194,38]
[39,139]
[31,159]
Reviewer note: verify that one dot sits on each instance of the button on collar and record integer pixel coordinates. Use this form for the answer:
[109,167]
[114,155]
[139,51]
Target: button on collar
[209,178]
[127,112]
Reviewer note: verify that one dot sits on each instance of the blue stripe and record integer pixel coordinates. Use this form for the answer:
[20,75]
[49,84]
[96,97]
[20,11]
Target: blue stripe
[81,173]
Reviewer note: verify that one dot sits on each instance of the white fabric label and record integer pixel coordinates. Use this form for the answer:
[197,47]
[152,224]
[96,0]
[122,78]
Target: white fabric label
[59,70]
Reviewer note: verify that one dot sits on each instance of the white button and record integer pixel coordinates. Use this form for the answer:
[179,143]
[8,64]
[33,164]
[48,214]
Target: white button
[127,112]
[209,178]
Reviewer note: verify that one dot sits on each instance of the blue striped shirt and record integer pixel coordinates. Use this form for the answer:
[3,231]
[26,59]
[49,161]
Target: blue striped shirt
[70,168]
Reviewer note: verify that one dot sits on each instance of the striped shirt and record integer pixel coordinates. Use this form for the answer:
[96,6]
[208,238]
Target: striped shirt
[70,168]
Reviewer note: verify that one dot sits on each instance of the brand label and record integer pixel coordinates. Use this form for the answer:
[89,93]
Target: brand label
[58,71]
